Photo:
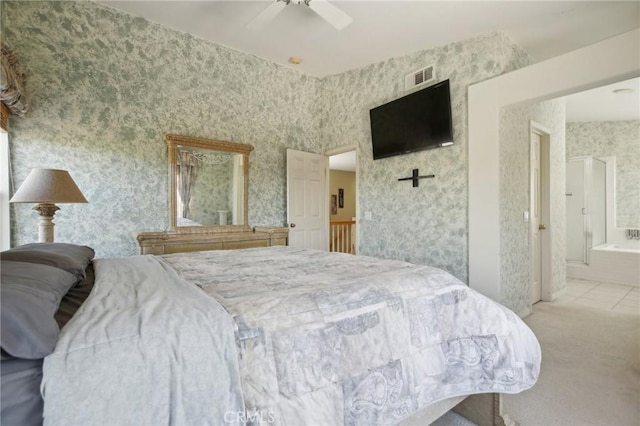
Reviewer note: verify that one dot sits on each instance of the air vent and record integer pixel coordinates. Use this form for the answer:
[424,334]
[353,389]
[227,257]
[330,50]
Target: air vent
[420,78]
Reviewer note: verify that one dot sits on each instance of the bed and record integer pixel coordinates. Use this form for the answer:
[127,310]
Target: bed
[42,286]
[278,336]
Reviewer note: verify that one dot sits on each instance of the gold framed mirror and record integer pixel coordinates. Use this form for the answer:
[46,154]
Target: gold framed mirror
[208,185]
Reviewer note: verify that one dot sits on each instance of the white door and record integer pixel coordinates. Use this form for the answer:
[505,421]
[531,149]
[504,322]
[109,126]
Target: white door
[536,226]
[307,202]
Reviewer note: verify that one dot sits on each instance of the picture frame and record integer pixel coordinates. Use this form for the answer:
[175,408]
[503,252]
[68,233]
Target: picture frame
[334,204]
[341,198]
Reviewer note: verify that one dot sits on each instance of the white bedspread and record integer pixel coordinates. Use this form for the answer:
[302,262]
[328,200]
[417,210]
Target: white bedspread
[146,348]
[327,338]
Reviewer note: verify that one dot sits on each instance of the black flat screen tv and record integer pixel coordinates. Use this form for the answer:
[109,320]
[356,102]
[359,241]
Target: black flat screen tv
[419,121]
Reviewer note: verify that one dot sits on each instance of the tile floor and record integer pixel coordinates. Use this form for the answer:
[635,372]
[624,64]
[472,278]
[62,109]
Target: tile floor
[614,297]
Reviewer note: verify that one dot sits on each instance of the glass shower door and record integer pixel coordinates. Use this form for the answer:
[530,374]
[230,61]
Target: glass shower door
[576,211]
[586,207]
[598,202]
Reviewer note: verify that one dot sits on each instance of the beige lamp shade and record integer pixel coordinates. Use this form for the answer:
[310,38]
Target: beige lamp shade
[48,186]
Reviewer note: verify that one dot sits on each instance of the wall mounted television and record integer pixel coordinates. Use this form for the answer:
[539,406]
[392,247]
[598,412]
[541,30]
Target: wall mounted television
[418,121]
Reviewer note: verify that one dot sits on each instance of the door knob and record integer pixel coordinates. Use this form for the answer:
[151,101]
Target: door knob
[293,225]
[542,227]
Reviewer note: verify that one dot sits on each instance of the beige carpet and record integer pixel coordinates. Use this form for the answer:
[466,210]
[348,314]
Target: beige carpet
[590,369]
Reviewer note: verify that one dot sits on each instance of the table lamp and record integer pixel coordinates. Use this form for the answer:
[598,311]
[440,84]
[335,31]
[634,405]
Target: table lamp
[47,187]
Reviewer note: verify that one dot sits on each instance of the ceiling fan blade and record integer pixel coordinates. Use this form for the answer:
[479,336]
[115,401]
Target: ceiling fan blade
[266,15]
[330,13]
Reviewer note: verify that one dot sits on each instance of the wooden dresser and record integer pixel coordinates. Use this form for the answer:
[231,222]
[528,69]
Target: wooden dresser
[173,242]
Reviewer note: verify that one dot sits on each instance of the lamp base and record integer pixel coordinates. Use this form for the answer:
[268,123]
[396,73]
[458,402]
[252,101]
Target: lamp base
[45,224]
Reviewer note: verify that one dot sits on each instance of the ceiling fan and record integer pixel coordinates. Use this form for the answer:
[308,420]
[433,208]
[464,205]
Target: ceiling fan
[326,10]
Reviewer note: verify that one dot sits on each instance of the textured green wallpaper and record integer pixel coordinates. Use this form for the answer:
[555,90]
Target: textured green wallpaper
[428,224]
[105,86]
[619,139]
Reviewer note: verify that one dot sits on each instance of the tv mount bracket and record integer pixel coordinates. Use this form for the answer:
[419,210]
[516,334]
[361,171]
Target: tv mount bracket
[415,178]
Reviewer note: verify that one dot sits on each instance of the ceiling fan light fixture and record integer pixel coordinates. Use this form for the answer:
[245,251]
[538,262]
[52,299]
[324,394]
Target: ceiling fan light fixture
[334,16]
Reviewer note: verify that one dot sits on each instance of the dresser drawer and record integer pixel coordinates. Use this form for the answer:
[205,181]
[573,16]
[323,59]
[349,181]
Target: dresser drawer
[188,247]
[159,243]
[233,245]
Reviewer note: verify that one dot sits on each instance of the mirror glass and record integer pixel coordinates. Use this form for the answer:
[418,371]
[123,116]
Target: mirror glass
[208,184]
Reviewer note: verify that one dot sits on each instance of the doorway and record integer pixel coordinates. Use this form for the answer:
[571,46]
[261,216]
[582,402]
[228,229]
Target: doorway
[540,214]
[342,200]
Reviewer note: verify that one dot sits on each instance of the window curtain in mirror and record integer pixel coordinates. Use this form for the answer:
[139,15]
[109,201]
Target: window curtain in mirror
[187,175]
[12,80]
[4,117]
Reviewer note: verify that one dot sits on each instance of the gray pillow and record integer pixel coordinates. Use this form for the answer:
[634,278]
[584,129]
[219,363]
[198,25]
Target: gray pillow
[30,294]
[69,257]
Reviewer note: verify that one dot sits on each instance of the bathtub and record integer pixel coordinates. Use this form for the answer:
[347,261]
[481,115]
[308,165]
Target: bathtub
[613,263]
[632,246]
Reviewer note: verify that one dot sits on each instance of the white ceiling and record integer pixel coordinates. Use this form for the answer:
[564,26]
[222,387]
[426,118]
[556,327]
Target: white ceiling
[384,29]
[345,161]
[602,104]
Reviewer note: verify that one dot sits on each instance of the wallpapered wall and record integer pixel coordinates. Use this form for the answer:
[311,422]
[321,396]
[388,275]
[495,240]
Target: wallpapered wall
[514,199]
[105,86]
[427,224]
[620,139]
